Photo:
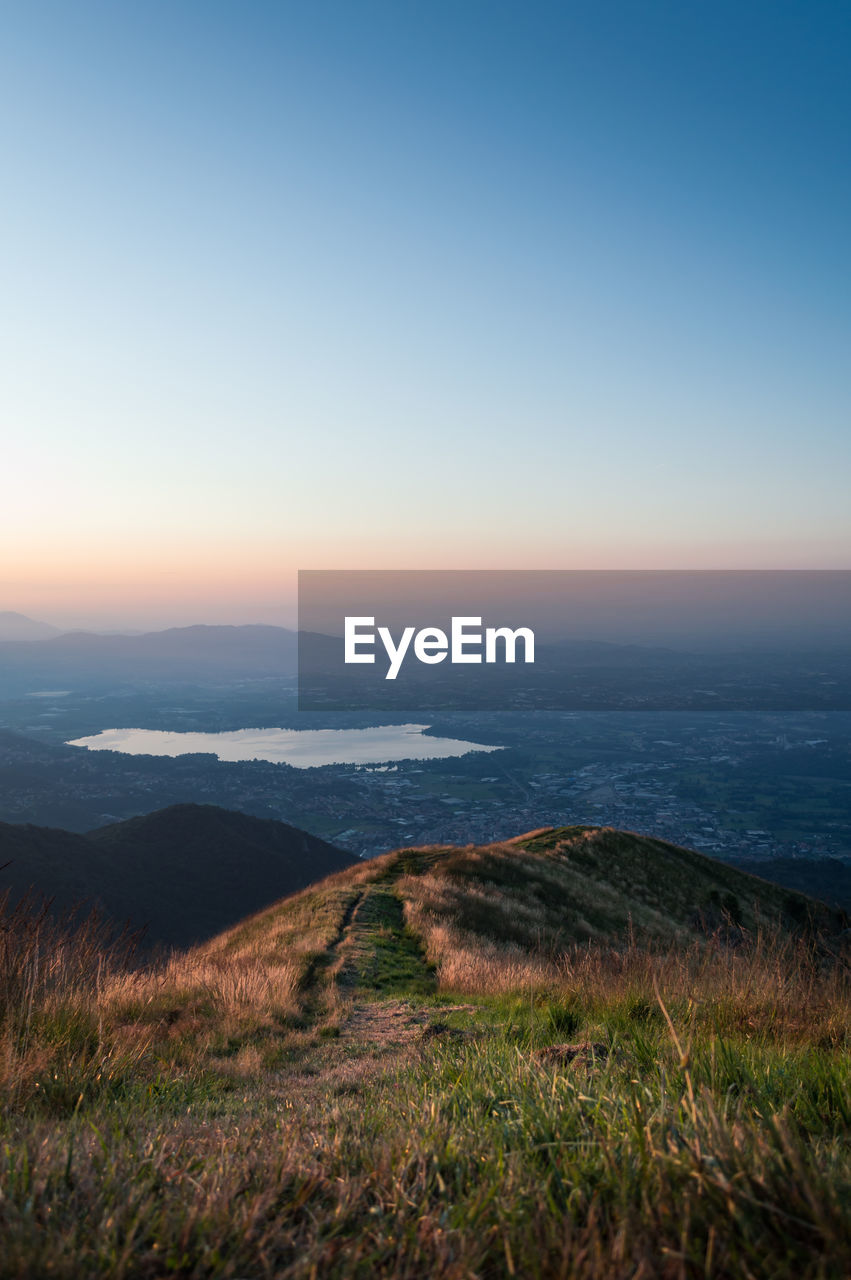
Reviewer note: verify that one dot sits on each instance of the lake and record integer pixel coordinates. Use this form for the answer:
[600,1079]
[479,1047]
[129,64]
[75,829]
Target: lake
[303,748]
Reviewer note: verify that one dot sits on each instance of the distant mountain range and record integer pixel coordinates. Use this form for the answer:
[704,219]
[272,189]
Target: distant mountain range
[570,675]
[185,872]
[178,654]
[16,626]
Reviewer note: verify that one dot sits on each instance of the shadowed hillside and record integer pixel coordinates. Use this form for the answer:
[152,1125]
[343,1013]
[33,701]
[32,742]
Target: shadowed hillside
[828,879]
[185,872]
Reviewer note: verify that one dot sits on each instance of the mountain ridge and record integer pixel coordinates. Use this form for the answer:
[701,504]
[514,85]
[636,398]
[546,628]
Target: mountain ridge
[175,655]
[555,888]
[190,872]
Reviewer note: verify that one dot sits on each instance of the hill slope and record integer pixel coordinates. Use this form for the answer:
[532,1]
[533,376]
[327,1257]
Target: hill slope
[424,1066]
[185,872]
[828,879]
[498,907]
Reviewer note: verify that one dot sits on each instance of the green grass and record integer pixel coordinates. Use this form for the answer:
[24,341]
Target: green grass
[474,1159]
[391,960]
[372,1120]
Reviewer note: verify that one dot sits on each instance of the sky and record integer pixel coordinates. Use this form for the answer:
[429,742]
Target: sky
[457,284]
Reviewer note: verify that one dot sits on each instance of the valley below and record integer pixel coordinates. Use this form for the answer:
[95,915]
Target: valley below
[368,1030]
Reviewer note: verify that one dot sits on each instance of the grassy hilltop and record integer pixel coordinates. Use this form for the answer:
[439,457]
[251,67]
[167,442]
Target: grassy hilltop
[582,1054]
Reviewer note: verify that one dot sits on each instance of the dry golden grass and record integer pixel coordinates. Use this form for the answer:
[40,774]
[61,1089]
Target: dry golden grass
[229,983]
[467,962]
[242,1110]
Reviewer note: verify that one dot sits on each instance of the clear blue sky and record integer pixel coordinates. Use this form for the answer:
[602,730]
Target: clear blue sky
[444,284]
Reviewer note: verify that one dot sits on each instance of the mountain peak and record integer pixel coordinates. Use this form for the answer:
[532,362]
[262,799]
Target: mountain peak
[17,626]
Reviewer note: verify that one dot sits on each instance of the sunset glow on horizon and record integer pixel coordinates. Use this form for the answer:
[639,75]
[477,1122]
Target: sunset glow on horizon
[416,287]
